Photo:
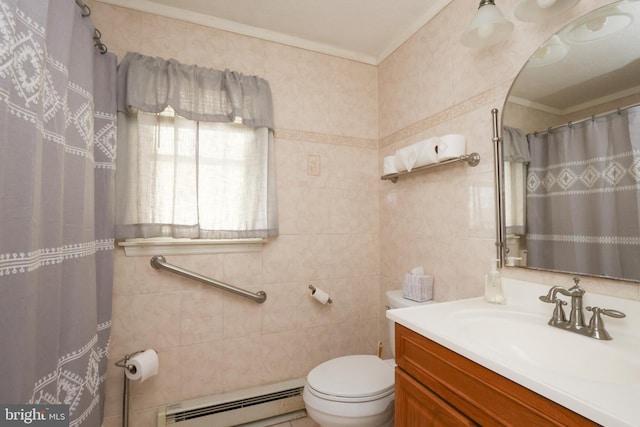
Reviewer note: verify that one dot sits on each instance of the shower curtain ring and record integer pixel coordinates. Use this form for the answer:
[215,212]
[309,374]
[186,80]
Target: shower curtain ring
[86,10]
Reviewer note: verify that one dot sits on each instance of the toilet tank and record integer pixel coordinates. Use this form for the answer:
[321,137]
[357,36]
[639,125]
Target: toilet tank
[396,300]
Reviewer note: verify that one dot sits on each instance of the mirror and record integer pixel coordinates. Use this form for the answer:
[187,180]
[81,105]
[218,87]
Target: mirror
[571,144]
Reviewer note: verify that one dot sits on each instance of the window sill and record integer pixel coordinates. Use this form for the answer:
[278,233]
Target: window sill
[167,246]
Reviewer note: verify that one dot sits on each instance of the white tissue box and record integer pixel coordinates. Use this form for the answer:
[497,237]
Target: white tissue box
[417,288]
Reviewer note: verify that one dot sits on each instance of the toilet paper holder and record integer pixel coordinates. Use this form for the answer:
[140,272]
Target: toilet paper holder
[313,291]
[123,363]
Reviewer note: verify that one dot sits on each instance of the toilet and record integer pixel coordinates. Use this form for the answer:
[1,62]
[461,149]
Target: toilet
[355,391]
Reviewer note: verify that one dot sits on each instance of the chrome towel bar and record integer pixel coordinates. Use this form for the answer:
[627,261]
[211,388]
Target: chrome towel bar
[472,159]
[159,262]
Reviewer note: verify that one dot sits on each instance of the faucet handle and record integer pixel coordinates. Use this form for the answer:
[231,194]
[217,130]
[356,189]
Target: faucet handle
[547,299]
[550,297]
[596,325]
[558,316]
[607,312]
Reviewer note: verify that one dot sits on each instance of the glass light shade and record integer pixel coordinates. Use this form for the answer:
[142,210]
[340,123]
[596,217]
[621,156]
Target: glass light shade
[488,27]
[597,26]
[539,10]
[552,51]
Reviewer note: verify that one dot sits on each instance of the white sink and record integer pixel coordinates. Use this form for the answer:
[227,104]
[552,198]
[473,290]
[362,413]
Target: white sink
[526,338]
[597,379]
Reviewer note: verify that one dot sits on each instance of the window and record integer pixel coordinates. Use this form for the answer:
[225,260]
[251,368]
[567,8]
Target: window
[182,177]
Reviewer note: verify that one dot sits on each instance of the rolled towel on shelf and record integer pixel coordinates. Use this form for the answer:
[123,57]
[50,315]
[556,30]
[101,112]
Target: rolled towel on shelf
[451,147]
[427,152]
[415,155]
[406,158]
[389,165]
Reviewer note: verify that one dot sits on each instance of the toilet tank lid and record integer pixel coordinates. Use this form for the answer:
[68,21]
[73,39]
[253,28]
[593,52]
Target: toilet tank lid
[352,376]
[396,300]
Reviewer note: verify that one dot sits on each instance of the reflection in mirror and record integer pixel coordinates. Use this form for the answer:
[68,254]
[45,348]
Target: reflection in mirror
[571,143]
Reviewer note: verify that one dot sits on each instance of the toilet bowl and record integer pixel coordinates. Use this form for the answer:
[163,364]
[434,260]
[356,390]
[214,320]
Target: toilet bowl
[355,391]
[351,391]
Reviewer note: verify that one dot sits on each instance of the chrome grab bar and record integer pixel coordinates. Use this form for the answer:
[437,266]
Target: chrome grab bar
[159,262]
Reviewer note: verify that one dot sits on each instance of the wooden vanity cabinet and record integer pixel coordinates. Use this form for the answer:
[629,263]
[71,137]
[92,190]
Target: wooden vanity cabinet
[438,387]
[416,405]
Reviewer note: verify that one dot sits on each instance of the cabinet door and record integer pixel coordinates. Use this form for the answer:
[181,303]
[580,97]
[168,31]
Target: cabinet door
[417,406]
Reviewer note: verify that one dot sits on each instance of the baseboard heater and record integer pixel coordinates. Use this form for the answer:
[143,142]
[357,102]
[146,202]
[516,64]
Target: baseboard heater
[237,407]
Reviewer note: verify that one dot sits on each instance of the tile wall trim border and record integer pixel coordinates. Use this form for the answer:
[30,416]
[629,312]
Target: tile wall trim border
[457,110]
[323,138]
[443,116]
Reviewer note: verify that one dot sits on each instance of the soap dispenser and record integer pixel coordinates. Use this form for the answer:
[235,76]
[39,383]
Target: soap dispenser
[493,285]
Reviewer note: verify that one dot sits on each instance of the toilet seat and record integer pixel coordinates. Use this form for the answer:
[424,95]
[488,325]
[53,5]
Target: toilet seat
[360,378]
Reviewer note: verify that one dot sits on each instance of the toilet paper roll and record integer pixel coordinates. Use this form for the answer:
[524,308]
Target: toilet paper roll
[389,165]
[451,146]
[406,158]
[143,366]
[320,295]
[427,152]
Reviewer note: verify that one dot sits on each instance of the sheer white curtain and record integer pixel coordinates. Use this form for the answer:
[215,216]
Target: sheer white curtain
[516,159]
[211,175]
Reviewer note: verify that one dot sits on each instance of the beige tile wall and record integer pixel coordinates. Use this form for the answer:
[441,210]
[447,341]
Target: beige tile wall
[326,138]
[341,227]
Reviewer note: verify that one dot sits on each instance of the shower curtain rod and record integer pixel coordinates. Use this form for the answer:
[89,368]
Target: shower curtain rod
[97,35]
[593,117]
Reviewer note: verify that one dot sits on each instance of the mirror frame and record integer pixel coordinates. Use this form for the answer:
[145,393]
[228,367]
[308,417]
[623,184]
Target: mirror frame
[498,158]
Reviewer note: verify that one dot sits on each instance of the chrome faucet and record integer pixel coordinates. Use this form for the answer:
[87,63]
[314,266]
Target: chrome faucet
[576,316]
[576,321]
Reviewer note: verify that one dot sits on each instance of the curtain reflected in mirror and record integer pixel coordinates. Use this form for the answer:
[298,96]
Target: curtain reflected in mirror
[571,142]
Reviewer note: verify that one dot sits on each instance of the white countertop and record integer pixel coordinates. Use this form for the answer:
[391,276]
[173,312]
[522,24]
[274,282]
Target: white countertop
[570,369]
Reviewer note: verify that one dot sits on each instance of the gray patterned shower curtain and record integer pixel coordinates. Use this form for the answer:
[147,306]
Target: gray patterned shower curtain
[583,197]
[57,152]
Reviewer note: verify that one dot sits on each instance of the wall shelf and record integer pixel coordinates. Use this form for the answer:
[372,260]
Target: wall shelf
[473,159]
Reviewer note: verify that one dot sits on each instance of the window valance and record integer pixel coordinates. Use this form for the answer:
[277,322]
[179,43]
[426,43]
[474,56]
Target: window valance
[197,93]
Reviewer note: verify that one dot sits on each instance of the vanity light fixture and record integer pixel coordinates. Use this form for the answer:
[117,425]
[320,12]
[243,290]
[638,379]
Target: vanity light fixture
[552,51]
[601,24]
[539,10]
[488,26]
